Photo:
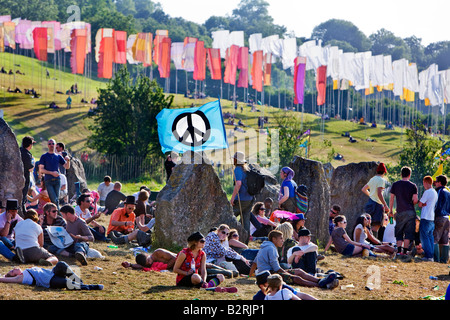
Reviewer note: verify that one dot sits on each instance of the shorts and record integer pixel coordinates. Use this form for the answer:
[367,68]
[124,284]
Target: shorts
[187,282]
[441,230]
[348,251]
[405,225]
[34,254]
[375,210]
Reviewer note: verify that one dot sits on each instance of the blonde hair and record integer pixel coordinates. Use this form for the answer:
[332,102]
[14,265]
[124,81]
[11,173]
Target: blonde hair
[274,282]
[286,229]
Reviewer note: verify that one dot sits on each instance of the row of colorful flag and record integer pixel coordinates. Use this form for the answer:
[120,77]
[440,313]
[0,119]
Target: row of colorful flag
[248,65]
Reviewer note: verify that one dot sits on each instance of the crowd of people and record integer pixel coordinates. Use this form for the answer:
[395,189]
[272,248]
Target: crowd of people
[54,227]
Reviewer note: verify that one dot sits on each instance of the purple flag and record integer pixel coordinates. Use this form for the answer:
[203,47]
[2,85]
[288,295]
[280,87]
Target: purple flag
[299,79]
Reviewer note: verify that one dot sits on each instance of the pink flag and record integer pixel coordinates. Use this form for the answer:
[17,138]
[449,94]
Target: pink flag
[243,67]
[321,84]
[231,65]
[199,61]
[299,79]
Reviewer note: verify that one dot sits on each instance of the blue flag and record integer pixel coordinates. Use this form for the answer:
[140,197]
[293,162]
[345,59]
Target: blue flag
[192,129]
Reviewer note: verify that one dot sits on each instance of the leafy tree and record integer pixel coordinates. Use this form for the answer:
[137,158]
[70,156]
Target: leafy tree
[341,30]
[124,121]
[30,9]
[385,42]
[418,153]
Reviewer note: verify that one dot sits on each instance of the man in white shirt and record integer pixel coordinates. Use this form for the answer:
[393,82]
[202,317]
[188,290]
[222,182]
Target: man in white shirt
[104,188]
[304,255]
[427,203]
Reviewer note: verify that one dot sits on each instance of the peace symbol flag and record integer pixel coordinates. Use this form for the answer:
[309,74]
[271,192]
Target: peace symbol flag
[192,129]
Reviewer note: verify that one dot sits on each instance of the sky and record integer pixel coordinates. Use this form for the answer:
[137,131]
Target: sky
[424,19]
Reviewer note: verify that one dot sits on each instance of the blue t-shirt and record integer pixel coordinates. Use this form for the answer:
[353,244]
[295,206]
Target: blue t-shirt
[291,185]
[51,162]
[241,175]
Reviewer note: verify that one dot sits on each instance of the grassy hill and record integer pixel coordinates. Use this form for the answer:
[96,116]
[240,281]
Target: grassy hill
[27,115]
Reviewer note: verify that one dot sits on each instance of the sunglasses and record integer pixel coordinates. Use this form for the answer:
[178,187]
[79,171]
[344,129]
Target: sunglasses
[262,209]
[53,211]
[51,144]
[202,241]
[225,233]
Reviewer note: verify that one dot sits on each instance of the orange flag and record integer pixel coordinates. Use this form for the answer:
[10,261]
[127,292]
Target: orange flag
[78,47]
[267,69]
[199,61]
[321,84]
[257,70]
[106,54]
[214,63]
[159,36]
[164,60]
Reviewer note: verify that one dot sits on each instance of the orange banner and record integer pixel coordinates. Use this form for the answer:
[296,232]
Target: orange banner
[164,62]
[199,61]
[214,63]
[257,70]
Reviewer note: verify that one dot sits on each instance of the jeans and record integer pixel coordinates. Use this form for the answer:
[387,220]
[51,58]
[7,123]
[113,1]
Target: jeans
[53,186]
[74,247]
[426,237]
[5,248]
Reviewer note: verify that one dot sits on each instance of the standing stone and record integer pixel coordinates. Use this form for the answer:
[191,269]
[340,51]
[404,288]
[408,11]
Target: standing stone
[192,200]
[12,180]
[312,174]
[271,187]
[345,186]
[74,174]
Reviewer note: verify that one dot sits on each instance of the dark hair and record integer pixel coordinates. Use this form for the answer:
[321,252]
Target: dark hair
[48,206]
[141,259]
[406,172]
[359,220]
[107,178]
[338,219]
[82,198]
[442,179]
[256,207]
[27,141]
[67,209]
[336,208]
[60,144]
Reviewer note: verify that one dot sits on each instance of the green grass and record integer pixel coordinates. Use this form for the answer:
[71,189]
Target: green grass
[29,116]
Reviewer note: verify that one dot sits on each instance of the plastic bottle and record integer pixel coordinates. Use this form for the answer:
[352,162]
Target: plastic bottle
[112,247]
[433,278]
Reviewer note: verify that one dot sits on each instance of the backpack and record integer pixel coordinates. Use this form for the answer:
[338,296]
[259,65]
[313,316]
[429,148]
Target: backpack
[301,199]
[255,181]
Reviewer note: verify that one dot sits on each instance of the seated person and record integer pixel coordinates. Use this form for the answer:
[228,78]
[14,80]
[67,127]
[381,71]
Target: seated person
[261,282]
[304,254]
[114,198]
[260,226]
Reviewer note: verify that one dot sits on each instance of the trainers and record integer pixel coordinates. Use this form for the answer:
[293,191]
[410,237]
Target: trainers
[226,289]
[333,284]
[81,258]
[19,257]
[327,280]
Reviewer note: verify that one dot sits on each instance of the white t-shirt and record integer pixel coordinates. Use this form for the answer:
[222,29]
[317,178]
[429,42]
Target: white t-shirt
[103,190]
[302,248]
[26,234]
[82,214]
[283,294]
[389,233]
[362,236]
[430,198]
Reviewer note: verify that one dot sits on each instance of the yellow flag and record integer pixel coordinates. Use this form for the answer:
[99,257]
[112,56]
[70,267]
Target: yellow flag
[438,172]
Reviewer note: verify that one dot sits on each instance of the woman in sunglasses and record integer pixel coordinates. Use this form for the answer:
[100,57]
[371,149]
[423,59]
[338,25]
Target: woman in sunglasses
[218,251]
[190,266]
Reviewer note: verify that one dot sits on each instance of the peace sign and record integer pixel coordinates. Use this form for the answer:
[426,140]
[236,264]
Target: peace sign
[191,129]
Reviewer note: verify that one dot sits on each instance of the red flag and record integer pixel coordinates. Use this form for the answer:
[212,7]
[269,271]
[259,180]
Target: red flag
[231,61]
[243,67]
[164,58]
[40,43]
[257,70]
[199,61]
[160,35]
[78,48]
[321,84]
[120,47]
[214,63]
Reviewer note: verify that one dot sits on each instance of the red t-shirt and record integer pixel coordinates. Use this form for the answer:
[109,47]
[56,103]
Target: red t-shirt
[186,265]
